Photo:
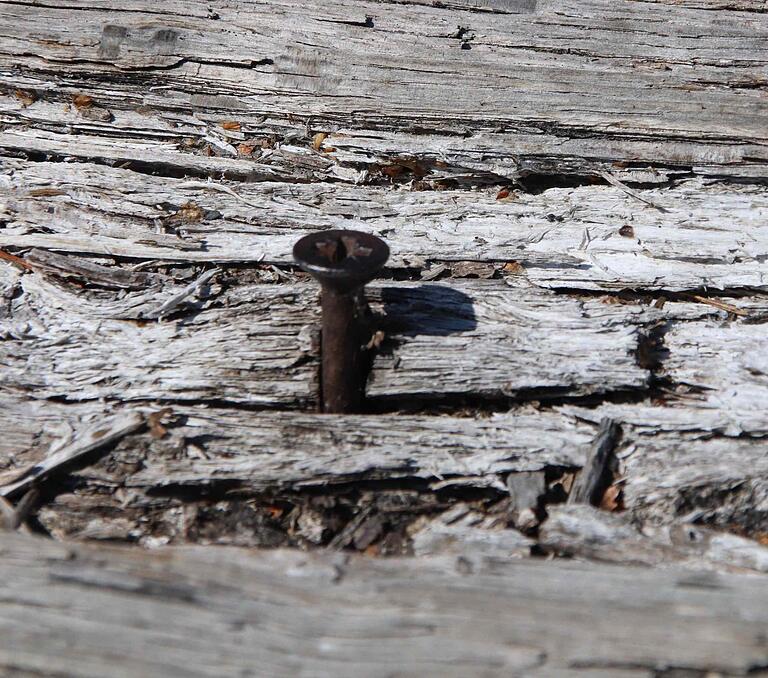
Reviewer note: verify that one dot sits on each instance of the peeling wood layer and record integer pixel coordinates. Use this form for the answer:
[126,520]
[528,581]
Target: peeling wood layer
[691,236]
[199,466]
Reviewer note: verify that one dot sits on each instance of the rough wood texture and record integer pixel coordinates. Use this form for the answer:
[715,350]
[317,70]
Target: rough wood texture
[589,237]
[215,452]
[159,352]
[597,472]
[583,531]
[560,84]
[263,450]
[255,343]
[204,612]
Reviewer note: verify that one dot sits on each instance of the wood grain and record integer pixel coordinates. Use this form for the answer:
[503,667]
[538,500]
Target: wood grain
[213,612]
[588,237]
[552,85]
[257,344]
[601,167]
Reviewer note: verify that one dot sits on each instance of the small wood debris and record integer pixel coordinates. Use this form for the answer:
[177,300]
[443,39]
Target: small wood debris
[26,97]
[155,423]
[433,272]
[14,517]
[188,213]
[82,269]
[317,140]
[635,194]
[525,491]
[612,499]
[18,262]
[82,101]
[90,439]
[404,168]
[376,340]
[45,192]
[85,105]
[723,306]
[473,269]
[247,147]
[97,114]
[231,125]
[513,268]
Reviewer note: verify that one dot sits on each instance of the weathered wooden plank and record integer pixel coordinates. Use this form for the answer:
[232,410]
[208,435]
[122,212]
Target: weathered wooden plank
[283,450]
[677,466]
[213,612]
[517,325]
[462,531]
[703,458]
[724,360]
[61,343]
[596,72]
[692,459]
[594,237]
[257,344]
[386,100]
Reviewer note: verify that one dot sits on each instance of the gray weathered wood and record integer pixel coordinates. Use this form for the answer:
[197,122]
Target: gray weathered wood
[254,344]
[104,434]
[597,472]
[564,84]
[590,237]
[265,450]
[673,470]
[213,612]
[585,532]
[693,461]
[148,151]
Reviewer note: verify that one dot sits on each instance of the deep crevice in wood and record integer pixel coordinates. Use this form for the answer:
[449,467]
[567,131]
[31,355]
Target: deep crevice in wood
[157,169]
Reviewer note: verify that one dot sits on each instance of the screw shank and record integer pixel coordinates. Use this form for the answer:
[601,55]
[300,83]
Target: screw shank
[341,339]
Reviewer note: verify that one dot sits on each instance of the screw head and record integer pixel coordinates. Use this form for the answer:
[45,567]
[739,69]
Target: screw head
[341,259]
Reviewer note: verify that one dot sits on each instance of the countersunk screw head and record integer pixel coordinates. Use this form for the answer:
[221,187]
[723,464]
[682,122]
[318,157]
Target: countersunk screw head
[340,259]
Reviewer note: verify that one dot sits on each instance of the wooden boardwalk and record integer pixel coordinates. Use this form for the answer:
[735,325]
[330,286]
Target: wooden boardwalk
[570,359]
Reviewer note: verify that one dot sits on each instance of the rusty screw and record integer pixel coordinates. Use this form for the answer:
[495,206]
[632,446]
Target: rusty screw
[342,262]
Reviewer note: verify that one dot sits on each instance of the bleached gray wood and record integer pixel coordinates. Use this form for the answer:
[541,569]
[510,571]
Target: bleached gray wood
[435,323]
[678,463]
[405,119]
[591,237]
[681,460]
[702,457]
[75,346]
[257,344]
[563,83]
[692,460]
[586,532]
[213,612]
[673,471]
[725,361]
[263,450]
[462,531]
